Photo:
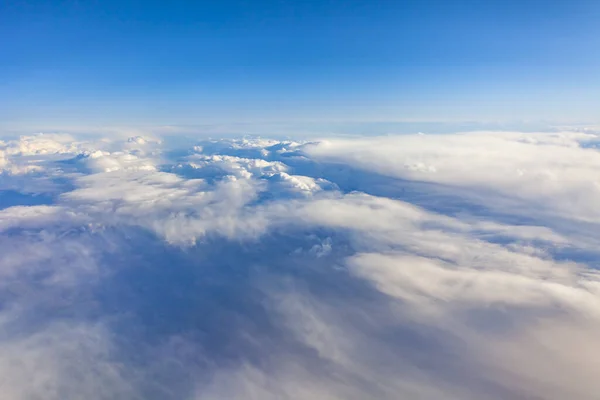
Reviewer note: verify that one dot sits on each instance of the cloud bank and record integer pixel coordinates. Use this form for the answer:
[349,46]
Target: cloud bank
[459,266]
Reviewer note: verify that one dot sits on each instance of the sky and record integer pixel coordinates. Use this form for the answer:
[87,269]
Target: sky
[148,63]
[277,200]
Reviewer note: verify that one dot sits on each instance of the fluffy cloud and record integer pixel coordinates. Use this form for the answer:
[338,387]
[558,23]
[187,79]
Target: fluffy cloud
[422,266]
[550,175]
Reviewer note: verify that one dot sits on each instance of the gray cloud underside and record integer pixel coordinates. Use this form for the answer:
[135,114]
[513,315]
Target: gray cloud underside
[408,267]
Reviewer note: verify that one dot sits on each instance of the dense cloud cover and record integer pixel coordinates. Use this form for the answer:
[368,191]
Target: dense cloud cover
[401,267]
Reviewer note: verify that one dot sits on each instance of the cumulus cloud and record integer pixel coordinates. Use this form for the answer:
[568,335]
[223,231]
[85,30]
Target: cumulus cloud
[421,266]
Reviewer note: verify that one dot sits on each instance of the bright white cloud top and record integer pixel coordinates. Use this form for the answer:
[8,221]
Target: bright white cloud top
[404,267]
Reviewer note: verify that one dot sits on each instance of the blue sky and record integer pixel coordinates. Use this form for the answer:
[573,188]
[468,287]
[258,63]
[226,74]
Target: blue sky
[90,63]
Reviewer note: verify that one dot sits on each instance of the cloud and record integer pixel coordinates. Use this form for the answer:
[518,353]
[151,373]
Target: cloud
[422,266]
[548,174]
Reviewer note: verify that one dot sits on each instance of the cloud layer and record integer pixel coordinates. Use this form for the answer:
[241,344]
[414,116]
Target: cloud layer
[416,267]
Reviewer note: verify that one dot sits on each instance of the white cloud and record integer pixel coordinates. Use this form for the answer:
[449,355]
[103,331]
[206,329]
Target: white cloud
[545,174]
[425,266]
[230,165]
[62,362]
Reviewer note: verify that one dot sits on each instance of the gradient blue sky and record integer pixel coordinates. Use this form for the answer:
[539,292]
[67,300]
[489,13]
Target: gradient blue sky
[88,63]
